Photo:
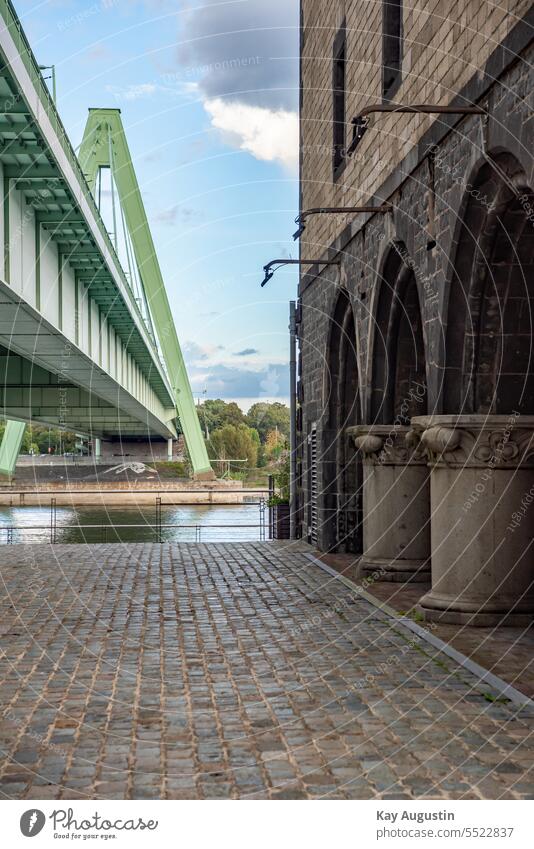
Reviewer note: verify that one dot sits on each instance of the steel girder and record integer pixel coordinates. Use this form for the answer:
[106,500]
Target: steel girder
[30,164]
[39,160]
[10,446]
[104,145]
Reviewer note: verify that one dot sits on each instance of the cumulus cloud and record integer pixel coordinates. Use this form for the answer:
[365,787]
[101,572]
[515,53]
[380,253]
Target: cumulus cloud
[211,369]
[221,381]
[194,353]
[242,58]
[271,136]
[98,53]
[246,50]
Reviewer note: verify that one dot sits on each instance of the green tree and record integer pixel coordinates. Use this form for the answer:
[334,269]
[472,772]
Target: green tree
[266,417]
[215,414]
[235,442]
[58,440]
[275,442]
[39,437]
[282,481]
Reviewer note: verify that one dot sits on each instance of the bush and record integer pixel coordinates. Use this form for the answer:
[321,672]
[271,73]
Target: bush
[281,482]
[171,469]
[235,442]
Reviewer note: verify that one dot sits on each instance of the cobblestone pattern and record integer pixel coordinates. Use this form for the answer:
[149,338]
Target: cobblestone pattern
[231,671]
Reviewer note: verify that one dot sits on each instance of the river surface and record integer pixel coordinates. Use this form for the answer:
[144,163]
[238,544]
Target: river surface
[190,523]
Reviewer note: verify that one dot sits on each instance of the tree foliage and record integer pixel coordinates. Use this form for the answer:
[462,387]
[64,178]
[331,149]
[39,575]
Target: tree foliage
[275,443]
[266,417]
[235,442]
[215,414]
[259,437]
[38,438]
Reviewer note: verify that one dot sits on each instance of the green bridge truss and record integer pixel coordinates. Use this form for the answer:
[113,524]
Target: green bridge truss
[104,146]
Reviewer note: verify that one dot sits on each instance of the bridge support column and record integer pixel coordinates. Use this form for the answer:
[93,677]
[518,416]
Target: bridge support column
[98,448]
[482,486]
[169,450]
[396,504]
[10,447]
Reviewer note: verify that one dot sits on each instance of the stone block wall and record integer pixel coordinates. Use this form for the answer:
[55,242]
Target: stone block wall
[424,166]
[445,45]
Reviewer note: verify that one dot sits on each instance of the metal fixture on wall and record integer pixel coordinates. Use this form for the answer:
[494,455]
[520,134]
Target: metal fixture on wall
[360,124]
[269,270]
[335,210]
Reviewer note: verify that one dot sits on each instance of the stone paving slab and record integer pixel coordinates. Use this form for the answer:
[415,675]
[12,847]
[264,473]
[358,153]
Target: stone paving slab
[231,671]
[505,651]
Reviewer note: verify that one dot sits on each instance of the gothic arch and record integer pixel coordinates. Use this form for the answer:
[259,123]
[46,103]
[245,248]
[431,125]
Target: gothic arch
[398,370]
[342,480]
[489,366]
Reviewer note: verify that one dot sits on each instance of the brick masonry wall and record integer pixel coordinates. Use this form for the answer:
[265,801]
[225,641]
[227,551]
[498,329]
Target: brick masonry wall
[444,46]
[393,157]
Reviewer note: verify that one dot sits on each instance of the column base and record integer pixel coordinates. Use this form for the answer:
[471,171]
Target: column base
[481,486]
[396,571]
[450,610]
[207,475]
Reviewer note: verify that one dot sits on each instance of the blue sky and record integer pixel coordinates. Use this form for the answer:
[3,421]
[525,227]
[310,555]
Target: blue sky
[209,95]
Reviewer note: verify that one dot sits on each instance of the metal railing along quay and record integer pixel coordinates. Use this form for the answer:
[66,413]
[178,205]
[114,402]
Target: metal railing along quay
[110,531]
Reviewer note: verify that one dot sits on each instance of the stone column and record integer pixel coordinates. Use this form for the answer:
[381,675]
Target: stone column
[169,450]
[482,483]
[396,504]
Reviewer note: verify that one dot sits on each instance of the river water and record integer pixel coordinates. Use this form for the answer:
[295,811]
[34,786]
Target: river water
[190,523]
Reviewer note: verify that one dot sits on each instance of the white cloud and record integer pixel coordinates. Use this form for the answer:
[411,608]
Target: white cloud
[221,381]
[243,50]
[268,134]
[176,214]
[133,92]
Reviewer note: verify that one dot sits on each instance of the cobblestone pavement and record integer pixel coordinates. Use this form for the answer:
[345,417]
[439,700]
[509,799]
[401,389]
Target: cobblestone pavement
[231,671]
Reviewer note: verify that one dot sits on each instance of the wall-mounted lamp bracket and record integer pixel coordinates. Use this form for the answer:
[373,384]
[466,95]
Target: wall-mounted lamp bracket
[334,210]
[360,124]
[269,268]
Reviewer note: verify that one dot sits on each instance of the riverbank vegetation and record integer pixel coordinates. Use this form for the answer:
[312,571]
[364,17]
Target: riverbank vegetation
[248,445]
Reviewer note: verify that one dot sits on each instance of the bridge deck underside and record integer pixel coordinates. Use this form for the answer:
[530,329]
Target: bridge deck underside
[42,176]
[45,378]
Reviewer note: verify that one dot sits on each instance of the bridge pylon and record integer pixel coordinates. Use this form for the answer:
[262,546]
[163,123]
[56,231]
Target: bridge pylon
[104,146]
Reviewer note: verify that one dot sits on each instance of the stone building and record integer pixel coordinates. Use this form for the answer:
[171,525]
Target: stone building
[416,375]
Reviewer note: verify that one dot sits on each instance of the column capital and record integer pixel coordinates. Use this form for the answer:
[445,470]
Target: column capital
[476,440]
[387,445]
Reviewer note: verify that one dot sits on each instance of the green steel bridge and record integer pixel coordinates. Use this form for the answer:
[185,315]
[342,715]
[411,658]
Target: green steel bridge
[87,338]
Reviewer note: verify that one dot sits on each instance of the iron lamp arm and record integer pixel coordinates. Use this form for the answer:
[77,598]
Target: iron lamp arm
[360,123]
[270,268]
[334,210]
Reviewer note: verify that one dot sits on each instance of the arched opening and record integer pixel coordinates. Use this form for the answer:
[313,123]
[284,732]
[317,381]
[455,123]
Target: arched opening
[396,479]
[481,564]
[489,366]
[398,389]
[343,474]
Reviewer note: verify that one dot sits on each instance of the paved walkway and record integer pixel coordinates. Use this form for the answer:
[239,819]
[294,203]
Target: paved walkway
[507,652]
[231,671]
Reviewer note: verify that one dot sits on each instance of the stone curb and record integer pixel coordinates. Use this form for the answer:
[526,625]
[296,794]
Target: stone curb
[496,683]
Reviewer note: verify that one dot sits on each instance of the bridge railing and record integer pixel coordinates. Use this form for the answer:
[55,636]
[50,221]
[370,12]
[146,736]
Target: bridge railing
[14,27]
